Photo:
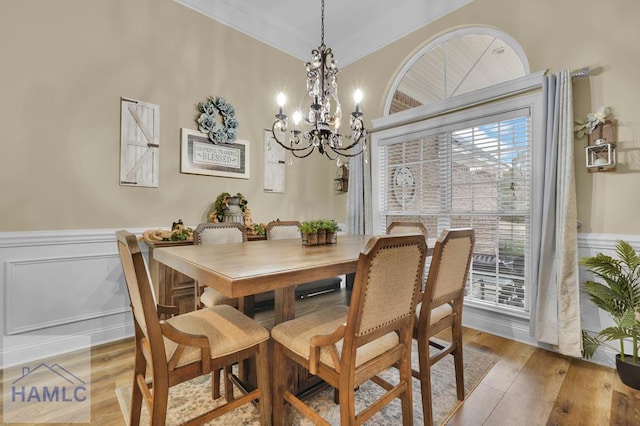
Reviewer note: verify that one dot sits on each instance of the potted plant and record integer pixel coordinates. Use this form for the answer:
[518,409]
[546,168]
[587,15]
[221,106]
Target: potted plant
[619,296]
[322,226]
[309,233]
[332,231]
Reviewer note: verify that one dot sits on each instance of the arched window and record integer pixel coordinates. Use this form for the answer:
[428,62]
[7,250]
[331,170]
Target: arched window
[457,148]
[458,62]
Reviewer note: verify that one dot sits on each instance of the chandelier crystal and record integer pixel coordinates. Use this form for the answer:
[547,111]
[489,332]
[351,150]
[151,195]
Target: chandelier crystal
[322,113]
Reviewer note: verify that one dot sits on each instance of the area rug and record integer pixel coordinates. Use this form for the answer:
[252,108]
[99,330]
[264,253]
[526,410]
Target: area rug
[192,398]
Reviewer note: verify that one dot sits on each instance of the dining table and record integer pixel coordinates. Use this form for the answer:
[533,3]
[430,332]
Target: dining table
[241,270]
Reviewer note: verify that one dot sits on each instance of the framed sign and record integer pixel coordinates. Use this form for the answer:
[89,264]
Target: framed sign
[200,156]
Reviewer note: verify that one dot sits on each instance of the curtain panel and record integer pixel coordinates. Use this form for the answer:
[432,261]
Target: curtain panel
[555,311]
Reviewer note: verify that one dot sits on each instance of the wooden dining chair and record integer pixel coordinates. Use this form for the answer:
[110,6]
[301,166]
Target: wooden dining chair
[441,309]
[172,351]
[347,346]
[207,297]
[399,228]
[278,230]
[216,233]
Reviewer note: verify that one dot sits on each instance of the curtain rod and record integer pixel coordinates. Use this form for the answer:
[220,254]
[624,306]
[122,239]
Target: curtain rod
[582,72]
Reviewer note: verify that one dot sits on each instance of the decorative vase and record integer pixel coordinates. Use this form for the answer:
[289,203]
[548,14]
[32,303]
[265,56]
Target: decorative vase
[629,372]
[233,212]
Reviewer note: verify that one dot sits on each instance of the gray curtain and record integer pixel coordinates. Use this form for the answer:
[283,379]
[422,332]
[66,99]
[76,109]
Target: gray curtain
[555,313]
[359,213]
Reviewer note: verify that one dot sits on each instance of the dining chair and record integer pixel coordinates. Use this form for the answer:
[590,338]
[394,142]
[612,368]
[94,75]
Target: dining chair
[183,347]
[398,228]
[441,309]
[282,229]
[216,233]
[349,345]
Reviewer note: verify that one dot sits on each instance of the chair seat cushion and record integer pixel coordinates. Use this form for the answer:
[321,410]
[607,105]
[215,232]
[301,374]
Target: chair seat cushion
[296,335]
[211,297]
[437,313]
[227,329]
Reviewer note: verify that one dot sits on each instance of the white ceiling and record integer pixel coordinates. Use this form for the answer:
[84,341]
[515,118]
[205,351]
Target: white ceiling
[353,28]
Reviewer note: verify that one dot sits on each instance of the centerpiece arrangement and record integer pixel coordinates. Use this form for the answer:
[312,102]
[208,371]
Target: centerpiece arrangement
[318,232]
[224,202]
[233,208]
[619,296]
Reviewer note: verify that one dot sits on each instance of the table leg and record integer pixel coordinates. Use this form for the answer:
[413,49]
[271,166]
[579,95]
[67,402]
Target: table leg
[247,305]
[284,307]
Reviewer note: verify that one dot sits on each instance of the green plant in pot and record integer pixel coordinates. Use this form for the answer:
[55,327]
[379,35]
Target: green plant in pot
[309,233]
[619,296]
[332,228]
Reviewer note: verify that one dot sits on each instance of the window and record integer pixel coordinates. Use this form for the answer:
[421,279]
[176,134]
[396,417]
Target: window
[458,62]
[467,169]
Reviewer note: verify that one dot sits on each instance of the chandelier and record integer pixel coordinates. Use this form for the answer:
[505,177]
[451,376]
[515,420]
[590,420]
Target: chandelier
[322,113]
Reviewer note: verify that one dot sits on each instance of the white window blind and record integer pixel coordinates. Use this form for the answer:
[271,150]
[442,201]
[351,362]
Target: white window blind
[470,174]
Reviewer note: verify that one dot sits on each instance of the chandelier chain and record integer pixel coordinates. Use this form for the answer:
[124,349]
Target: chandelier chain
[322,23]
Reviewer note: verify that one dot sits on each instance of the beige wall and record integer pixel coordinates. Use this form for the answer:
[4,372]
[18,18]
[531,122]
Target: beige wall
[555,35]
[64,66]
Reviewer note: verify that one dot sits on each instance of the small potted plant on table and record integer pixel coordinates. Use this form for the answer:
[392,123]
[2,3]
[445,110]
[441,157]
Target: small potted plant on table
[309,233]
[619,296]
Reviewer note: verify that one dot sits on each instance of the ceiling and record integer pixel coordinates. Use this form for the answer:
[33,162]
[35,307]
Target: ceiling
[353,28]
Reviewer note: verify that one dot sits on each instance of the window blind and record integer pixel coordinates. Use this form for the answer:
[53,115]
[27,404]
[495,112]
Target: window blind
[470,174]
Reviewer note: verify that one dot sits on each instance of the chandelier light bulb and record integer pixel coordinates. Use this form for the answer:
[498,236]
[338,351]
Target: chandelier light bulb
[297,117]
[281,99]
[357,96]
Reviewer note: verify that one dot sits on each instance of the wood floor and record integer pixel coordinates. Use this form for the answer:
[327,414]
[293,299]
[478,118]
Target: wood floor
[527,385]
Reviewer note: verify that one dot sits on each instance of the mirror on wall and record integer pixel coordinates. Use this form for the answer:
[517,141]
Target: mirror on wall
[456,63]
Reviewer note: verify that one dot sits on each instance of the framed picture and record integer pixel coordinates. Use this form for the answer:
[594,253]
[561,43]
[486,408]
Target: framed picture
[200,156]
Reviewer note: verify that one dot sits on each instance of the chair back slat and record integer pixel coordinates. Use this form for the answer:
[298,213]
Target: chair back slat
[281,230]
[450,264]
[219,233]
[387,283]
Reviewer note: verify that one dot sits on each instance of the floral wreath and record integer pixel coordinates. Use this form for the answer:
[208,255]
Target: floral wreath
[218,132]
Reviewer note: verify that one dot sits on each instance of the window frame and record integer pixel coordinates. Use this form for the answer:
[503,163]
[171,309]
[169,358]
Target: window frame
[516,94]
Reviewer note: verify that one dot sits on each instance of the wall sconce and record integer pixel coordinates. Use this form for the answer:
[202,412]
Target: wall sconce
[600,154]
[341,182]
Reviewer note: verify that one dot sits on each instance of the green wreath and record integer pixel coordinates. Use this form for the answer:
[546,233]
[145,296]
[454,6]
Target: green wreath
[223,131]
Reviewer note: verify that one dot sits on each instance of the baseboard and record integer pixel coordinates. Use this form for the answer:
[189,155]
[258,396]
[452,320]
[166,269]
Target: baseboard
[18,350]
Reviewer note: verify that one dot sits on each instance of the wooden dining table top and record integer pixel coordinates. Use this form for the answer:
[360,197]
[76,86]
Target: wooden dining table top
[244,269]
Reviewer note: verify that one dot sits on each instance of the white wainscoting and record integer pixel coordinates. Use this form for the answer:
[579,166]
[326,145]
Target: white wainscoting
[593,319]
[58,286]
[61,285]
